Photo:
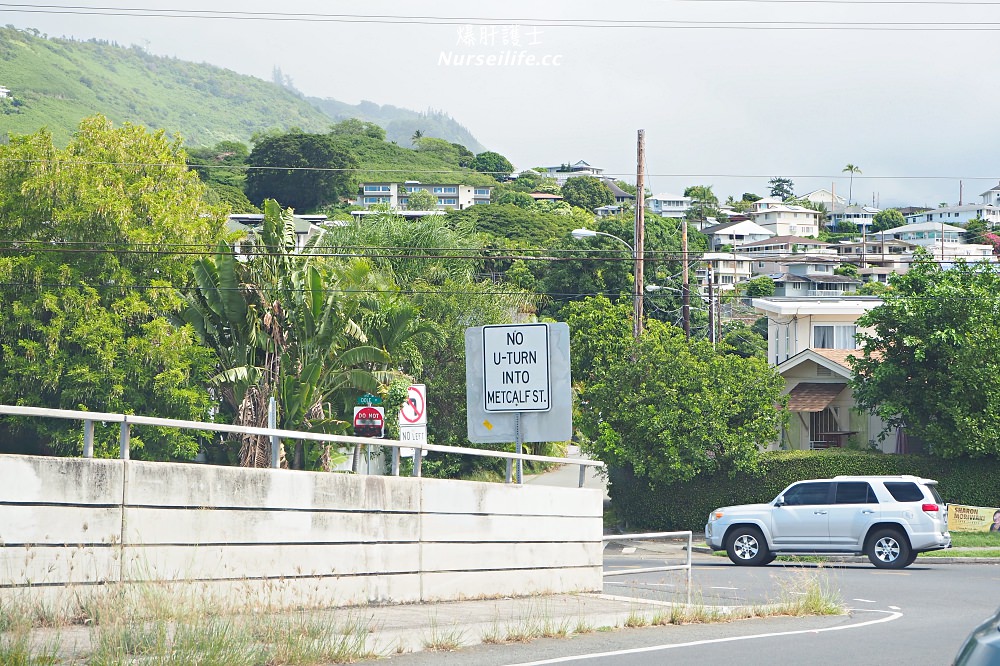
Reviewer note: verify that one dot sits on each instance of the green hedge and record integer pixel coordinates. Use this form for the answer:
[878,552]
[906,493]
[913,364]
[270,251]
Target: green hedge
[645,505]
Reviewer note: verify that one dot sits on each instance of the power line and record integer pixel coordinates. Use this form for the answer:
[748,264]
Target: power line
[477,21]
[460,170]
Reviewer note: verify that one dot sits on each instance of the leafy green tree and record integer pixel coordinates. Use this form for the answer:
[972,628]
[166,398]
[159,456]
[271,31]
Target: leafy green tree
[848,270]
[704,203]
[86,295]
[587,192]
[417,136]
[782,188]
[421,200]
[519,199]
[493,164]
[851,169]
[742,340]
[677,408]
[356,127]
[929,362]
[759,287]
[299,170]
[975,230]
[890,218]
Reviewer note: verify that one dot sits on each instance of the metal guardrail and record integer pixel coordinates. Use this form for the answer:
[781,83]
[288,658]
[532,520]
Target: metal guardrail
[665,567]
[127,420]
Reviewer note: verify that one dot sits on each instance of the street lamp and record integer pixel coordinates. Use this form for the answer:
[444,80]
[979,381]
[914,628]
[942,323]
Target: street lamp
[637,291]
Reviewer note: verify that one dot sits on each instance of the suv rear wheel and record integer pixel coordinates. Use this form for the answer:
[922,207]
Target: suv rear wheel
[746,546]
[888,549]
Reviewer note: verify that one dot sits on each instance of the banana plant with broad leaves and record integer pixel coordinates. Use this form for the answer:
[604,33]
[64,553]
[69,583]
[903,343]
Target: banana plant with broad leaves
[283,325]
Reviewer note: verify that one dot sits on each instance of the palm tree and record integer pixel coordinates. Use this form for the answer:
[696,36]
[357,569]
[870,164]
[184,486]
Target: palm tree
[417,136]
[851,169]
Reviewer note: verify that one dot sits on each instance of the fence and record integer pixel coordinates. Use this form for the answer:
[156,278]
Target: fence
[127,420]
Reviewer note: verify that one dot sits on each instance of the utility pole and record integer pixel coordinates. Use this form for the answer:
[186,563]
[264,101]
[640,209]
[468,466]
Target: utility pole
[711,306]
[640,233]
[685,286]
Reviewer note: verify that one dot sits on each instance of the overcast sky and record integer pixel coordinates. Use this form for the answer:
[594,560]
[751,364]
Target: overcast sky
[723,106]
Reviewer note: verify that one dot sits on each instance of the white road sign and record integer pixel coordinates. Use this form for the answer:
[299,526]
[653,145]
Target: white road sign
[516,360]
[415,435]
[414,410]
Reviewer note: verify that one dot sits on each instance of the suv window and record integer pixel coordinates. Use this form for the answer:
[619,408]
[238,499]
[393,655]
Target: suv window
[904,491]
[855,492]
[808,493]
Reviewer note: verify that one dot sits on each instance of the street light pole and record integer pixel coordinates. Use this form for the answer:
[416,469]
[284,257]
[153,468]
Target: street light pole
[637,293]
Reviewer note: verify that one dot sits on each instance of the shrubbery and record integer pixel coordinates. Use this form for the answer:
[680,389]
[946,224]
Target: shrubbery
[643,505]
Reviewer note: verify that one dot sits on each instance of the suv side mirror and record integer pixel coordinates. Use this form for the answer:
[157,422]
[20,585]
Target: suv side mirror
[780,501]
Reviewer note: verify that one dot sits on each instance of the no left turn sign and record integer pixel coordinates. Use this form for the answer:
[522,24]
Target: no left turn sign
[414,409]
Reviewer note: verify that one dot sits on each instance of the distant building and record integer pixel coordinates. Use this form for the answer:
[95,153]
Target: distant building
[564,171]
[450,196]
[669,205]
[621,196]
[785,219]
[4,92]
[959,214]
[862,217]
[735,234]
[249,223]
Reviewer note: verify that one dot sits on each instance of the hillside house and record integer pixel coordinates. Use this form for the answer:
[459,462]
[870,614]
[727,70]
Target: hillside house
[735,234]
[452,196]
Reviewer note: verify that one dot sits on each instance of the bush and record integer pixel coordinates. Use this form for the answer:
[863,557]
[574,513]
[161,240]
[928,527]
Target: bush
[644,505]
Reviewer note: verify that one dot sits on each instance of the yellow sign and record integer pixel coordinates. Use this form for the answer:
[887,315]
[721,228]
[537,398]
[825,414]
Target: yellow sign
[973,519]
[489,426]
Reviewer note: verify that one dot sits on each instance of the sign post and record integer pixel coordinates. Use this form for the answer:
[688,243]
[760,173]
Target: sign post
[413,420]
[516,377]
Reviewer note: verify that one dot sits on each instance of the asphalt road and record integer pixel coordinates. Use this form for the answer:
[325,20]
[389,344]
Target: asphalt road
[916,616]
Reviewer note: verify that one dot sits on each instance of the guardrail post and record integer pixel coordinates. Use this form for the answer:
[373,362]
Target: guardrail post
[123,441]
[509,474]
[417,459]
[272,423]
[88,439]
[583,475]
[395,461]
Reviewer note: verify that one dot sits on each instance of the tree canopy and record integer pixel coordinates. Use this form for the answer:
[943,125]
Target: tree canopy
[299,170]
[493,164]
[587,192]
[930,362]
[783,188]
[666,407]
[86,299]
[890,218]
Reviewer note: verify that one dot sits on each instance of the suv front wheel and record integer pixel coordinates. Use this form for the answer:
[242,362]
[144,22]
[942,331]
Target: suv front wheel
[746,547]
[888,549]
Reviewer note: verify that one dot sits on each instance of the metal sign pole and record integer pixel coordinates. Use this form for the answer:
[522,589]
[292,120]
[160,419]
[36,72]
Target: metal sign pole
[520,447]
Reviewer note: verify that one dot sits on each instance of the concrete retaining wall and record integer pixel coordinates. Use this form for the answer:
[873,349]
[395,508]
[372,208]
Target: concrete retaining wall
[290,537]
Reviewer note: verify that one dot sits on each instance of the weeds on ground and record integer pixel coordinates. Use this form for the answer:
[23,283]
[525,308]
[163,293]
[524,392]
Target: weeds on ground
[444,640]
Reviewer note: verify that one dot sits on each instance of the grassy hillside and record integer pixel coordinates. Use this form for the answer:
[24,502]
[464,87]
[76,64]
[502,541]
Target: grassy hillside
[384,161]
[55,83]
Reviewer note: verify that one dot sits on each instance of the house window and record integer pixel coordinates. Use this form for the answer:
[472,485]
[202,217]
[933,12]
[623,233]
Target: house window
[834,337]
[447,202]
[376,188]
[375,200]
[482,192]
[445,190]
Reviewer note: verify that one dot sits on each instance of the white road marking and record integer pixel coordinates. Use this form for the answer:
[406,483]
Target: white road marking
[890,616]
[723,588]
[869,601]
[628,550]
[633,584]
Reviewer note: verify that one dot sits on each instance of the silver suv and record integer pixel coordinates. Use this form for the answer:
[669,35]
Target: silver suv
[888,518]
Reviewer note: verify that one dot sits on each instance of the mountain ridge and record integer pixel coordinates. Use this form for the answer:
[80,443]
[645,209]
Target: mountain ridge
[55,82]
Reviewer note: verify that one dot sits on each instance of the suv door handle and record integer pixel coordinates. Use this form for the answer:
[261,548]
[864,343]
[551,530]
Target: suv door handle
[867,511]
[820,513]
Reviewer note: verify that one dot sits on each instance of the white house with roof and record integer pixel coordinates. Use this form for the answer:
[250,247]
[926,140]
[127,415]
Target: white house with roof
[810,342]
[862,217]
[727,269]
[991,197]
[579,168]
[786,219]
[786,245]
[450,196]
[735,234]
[669,205]
[825,197]
[943,241]
[958,214]
[4,92]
